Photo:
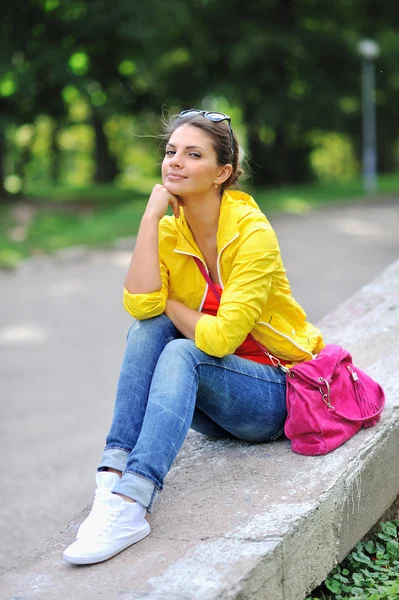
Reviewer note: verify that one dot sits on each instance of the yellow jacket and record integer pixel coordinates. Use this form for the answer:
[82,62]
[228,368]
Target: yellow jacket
[256,293]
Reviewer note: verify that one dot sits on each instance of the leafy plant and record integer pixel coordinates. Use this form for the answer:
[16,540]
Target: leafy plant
[369,572]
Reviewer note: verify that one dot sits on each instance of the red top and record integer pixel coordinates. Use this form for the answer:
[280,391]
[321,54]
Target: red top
[248,349]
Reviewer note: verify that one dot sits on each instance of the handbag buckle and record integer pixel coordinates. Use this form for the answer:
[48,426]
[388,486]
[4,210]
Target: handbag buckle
[275,361]
[325,395]
[353,374]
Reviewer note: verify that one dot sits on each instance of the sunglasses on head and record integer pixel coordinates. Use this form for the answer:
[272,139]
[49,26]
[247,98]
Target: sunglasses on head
[211,115]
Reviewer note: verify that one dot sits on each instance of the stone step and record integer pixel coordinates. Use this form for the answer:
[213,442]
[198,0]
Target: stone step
[252,521]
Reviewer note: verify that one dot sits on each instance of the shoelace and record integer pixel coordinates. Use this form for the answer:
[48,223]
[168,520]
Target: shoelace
[106,516]
[101,516]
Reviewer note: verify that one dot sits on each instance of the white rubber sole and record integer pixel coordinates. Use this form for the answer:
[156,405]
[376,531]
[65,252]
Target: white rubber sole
[75,559]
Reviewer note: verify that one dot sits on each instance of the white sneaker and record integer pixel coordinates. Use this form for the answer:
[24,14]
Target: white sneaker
[106,481]
[112,525]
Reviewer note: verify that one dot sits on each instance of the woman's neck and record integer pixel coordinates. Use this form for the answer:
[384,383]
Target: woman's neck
[202,216]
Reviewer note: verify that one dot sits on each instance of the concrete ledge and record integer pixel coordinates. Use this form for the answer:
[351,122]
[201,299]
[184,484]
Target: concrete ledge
[247,521]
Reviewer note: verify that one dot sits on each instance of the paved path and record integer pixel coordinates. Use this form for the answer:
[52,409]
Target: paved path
[62,331]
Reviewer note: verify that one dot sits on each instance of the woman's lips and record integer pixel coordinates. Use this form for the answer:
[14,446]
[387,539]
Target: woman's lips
[175,176]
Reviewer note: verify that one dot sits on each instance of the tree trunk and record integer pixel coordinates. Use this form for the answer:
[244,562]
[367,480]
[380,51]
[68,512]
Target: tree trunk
[106,167]
[3,193]
[22,160]
[55,163]
[387,159]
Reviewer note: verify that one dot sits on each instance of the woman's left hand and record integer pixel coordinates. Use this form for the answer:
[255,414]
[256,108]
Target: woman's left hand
[183,318]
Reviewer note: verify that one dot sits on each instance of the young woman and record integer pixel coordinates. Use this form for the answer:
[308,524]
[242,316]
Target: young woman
[189,360]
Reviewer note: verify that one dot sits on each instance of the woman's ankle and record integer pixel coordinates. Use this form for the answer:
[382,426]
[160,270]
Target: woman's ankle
[119,473]
[110,470]
[125,498]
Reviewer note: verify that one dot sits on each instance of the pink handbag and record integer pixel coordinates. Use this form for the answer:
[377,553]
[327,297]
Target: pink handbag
[328,399]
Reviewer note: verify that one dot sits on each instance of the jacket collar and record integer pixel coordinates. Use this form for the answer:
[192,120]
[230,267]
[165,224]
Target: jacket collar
[230,213]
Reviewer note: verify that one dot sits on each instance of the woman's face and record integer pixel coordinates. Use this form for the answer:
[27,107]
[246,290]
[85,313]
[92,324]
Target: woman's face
[190,165]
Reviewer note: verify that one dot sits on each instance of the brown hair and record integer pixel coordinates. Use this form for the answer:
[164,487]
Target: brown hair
[220,136]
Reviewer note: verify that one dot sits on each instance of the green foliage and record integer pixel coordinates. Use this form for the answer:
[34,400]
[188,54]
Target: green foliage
[79,63]
[292,70]
[333,156]
[7,84]
[369,572]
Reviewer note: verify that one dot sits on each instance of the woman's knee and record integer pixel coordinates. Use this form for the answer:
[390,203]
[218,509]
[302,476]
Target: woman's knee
[149,328]
[180,349]
[180,356]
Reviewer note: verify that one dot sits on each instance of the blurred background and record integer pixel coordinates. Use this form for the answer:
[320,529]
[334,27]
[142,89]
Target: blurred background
[83,84]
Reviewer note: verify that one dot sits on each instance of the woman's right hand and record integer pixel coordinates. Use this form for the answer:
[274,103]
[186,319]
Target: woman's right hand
[159,201]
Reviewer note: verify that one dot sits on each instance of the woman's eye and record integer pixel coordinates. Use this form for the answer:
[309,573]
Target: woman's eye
[169,152]
[195,154]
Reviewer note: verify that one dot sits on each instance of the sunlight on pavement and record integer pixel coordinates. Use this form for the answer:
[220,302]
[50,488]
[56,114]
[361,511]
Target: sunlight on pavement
[120,259]
[22,334]
[65,288]
[360,228]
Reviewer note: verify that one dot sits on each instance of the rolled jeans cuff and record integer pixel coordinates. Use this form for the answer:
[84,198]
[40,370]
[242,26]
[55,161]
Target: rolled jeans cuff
[114,458]
[131,484]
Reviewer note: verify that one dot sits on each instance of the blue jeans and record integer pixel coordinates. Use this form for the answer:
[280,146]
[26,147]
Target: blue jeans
[168,385]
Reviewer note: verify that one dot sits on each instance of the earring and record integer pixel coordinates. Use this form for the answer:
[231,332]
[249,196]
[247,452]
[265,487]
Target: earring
[216,186]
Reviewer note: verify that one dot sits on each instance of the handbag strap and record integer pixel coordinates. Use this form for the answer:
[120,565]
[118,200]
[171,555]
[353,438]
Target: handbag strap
[209,281]
[360,419]
[327,400]
[274,360]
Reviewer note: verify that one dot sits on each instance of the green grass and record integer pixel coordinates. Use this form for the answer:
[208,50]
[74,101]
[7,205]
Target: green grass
[300,199]
[100,195]
[98,215]
[50,231]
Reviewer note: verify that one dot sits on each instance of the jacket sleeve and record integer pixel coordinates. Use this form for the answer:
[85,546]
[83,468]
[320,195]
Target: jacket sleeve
[146,306]
[243,297]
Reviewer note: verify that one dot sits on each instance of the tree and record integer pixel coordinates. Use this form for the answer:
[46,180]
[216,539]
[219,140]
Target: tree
[33,67]
[291,65]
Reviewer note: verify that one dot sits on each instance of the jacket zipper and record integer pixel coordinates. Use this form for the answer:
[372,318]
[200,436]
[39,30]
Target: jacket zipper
[218,259]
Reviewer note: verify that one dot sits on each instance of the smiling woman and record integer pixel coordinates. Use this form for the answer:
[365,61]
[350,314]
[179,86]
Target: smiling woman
[193,165]
[193,359]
